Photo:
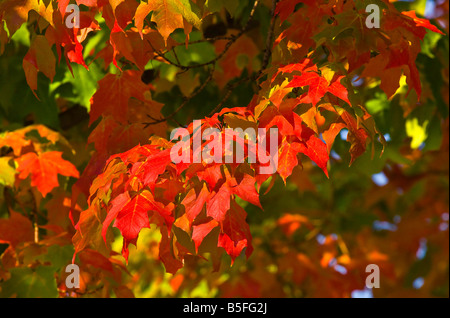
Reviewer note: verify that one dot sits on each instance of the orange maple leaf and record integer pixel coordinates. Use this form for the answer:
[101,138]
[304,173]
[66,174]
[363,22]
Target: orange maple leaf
[44,169]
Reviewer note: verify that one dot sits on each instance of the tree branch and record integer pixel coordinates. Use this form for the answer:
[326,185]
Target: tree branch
[185,102]
[231,40]
[266,57]
[269,40]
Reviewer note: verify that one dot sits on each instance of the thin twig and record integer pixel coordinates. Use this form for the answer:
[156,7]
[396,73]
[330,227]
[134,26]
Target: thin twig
[214,39]
[187,67]
[176,56]
[252,13]
[222,102]
[185,101]
[230,88]
[266,57]
[269,40]
[231,40]
[34,212]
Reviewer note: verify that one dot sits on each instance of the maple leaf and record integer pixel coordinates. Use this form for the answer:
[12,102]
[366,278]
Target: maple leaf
[339,90]
[390,63]
[211,175]
[284,126]
[235,235]
[308,144]
[285,8]
[194,203]
[219,203]
[44,169]
[133,47]
[318,87]
[116,206]
[245,189]
[22,141]
[168,15]
[314,148]
[113,94]
[133,216]
[422,22]
[149,170]
[358,139]
[15,12]
[330,134]
[357,136]
[287,159]
[200,231]
[69,39]
[305,65]
[15,140]
[40,57]
[142,11]
[96,259]
[89,230]
[166,254]
[62,4]
[229,63]
[16,229]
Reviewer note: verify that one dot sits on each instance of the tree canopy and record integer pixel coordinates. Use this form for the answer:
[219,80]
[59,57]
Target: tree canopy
[127,148]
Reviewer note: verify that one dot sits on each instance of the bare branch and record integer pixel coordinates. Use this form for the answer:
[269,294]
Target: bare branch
[231,40]
[266,57]
[269,40]
[185,102]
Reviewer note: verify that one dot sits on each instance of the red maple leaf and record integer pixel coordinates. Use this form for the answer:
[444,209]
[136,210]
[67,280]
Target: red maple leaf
[44,169]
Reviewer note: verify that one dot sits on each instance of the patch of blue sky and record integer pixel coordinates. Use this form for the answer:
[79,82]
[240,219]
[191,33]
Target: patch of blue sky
[365,293]
[384,226]
[380,179]
[422,250]
[340,269]
[343,134]
[418,282]
[320,239]
[335,155]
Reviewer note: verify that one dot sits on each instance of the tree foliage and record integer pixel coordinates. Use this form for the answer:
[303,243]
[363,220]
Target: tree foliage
[87,175]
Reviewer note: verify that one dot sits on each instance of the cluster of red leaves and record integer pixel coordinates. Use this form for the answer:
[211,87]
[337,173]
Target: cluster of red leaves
[145,184]
[142,186]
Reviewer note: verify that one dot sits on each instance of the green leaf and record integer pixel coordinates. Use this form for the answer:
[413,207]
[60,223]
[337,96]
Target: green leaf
[429,43]
[217,5]
[417,132]
[30,283]
[378,104]
[58,256]
[434,140]
[7,172]
[83,82]
[189,10]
